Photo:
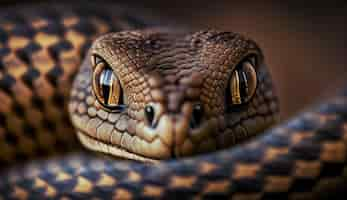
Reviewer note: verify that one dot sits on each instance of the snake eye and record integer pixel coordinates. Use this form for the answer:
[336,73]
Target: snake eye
[243,82]
[106,85]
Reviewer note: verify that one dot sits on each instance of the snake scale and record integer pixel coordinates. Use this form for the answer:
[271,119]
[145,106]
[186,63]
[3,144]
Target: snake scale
[148,93]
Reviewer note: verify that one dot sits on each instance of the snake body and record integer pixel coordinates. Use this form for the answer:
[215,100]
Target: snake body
[41,79]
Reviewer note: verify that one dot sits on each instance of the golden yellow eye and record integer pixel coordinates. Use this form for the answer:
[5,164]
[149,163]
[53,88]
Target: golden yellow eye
[106,85]
[243,82]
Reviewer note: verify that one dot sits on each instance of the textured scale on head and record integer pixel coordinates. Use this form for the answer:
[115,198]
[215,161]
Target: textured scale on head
[157,94]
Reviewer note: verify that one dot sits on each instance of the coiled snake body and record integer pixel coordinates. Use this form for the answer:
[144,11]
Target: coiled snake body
[145,93]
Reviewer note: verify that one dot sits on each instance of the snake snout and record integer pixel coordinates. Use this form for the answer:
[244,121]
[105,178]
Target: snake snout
[149,115]
[196,116]
[177,131]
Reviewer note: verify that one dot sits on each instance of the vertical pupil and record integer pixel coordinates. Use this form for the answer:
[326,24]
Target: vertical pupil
[243,85]
[235,88]
[106,80]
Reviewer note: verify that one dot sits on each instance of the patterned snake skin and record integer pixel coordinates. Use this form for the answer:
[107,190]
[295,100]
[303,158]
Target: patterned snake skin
[40,53]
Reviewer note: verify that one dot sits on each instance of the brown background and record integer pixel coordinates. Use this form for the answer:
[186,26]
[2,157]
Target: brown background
[304,41]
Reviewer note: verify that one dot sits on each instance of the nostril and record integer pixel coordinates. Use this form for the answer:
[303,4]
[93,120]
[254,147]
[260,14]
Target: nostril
[197,115]
[149,113]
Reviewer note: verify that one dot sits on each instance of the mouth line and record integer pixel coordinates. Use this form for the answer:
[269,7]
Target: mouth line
[100,146]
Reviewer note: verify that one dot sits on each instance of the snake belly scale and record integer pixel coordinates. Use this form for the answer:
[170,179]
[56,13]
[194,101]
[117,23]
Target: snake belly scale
[148,93]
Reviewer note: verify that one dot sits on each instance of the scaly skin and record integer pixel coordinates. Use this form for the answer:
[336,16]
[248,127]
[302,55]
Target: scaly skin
[41,51]
[171,72]
[300,159]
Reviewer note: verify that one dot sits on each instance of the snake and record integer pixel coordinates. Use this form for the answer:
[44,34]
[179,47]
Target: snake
[161,112]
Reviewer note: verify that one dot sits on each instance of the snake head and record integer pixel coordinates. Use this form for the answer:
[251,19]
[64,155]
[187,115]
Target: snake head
[155,94]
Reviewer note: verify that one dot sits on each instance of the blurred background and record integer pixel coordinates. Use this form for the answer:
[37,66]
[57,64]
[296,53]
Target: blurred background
[304,42]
